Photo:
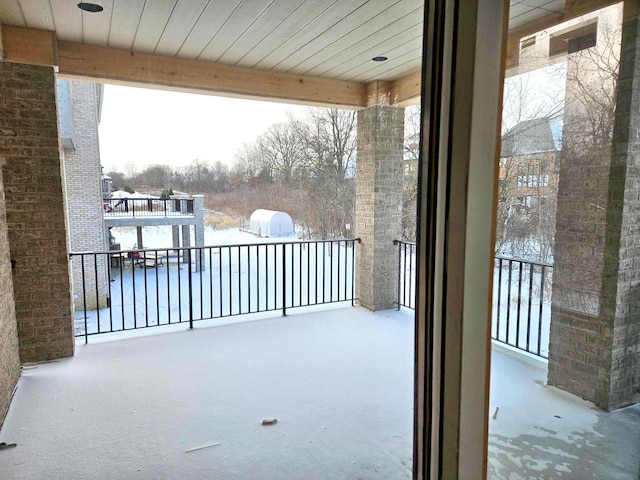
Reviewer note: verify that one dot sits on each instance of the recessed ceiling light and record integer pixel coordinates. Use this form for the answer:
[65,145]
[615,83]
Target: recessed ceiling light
[90,7]
[379,59]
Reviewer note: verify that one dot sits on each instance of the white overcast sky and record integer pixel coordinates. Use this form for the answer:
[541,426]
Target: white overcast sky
[161,127]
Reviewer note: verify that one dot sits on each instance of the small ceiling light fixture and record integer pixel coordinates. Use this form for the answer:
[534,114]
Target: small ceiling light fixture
[379,59]
[90,7]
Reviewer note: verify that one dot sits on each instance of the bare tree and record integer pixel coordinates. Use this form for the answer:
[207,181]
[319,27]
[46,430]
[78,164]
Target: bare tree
[131,170]
[196,176]
[410,175]
[328,137]
[157,176]
[314,158]
[280,148]
[592,80]
[118,180]
[248,166]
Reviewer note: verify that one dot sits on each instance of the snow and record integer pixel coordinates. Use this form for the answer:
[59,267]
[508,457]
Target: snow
[521,313]
[161,237]
[542,432]
[339,383]
[243,274]
[124,194]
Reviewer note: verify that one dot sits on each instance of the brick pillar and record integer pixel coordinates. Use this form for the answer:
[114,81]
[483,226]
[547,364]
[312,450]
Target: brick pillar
[9,354]
[186,241]
[379,203]
[35,211]
[595,318]
[198,228]
[175,234]
[139,244]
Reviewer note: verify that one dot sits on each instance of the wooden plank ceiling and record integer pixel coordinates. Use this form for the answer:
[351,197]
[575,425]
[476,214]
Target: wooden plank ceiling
[330,39]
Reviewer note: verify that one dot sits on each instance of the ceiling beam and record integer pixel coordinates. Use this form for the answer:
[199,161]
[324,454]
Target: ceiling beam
[28,45]
[112,65]
[400,93]
[378,93]
[406,90]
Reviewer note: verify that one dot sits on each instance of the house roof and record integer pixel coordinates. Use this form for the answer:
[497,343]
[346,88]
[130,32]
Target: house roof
[538,135]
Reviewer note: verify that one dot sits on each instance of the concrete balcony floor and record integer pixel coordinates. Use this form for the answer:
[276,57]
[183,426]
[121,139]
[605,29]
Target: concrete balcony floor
[189,405]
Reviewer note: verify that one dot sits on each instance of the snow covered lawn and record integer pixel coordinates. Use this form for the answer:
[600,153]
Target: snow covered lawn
[242,274]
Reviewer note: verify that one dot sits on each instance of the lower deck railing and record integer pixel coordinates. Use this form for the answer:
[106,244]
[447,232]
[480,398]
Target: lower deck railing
[125,290]
[521,299]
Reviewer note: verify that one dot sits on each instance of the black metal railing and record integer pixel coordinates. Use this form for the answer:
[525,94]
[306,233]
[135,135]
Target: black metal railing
[406,274]
[522,304]
[521,299]
[126,290]
[144,207]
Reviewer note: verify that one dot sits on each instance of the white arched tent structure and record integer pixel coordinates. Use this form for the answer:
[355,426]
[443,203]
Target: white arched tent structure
[270,223]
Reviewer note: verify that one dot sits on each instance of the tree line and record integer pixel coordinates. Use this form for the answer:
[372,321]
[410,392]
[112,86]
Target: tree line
[305,166]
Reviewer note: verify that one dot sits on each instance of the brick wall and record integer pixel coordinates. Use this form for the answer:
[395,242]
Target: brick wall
[595,321]
[625,358]
[83,195]
[35,211]
[379,178]
[9,356]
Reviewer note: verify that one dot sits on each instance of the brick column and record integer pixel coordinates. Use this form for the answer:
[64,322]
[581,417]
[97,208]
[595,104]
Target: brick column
[379,203]
[198,213]
[186,241]
[175,235]
[595,319]
[9,355]
[35,211]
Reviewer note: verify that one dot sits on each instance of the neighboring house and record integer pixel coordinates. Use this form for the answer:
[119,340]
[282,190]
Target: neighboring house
[79,108]
[528,185]
[529,163]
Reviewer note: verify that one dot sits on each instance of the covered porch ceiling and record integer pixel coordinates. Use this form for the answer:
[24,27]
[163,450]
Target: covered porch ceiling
[297,51]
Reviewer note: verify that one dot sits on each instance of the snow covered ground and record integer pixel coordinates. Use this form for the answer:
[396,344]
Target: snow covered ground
[339,383]
[521,315]
[243,274]
[190,405]
[160,237]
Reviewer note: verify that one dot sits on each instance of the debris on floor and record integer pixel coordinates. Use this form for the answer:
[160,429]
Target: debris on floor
[269,421]
[202,447]
[495,414]
[6,446]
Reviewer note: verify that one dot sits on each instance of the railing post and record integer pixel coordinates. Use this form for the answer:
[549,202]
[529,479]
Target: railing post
[84,302]
[190,282]
[397,242]
[284,280]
